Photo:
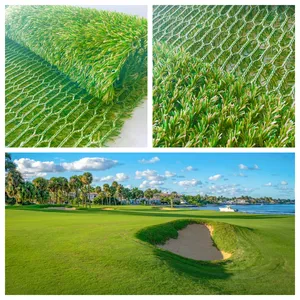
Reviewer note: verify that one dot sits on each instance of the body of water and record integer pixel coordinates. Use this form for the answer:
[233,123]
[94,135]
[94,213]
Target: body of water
[281,209]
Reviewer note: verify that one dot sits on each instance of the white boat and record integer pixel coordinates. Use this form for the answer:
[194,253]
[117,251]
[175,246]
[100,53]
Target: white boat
[228,208]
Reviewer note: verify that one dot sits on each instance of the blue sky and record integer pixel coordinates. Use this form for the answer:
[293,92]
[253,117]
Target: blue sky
[227,174]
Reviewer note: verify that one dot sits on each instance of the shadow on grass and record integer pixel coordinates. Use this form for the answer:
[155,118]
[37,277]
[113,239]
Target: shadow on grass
[193,268]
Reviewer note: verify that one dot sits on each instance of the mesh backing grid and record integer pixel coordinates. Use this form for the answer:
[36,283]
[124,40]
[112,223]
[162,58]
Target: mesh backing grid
[45,109]
[253,42]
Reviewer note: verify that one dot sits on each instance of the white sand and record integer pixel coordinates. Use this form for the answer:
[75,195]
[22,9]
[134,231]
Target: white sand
[61,208]
[194,242]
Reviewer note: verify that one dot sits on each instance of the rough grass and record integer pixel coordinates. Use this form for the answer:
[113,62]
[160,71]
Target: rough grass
[198,105]
[102,252]
[73,75]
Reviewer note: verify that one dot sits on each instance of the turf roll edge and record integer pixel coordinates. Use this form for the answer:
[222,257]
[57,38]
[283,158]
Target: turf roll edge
[73,75]
[100,50]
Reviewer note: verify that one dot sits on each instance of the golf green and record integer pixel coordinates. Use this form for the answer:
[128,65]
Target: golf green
[113,252]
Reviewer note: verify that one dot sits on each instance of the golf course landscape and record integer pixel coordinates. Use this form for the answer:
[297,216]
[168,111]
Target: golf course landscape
[113,250]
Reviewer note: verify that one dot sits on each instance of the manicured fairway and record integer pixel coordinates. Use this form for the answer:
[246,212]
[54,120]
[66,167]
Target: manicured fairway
[106,252]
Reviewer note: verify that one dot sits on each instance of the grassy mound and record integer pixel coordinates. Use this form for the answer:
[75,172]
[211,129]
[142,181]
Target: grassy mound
[223,234]
[50,252]
[198,105]
[73,75]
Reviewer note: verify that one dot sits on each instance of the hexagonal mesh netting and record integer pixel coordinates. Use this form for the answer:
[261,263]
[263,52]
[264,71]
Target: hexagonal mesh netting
[71,85]
[254,44]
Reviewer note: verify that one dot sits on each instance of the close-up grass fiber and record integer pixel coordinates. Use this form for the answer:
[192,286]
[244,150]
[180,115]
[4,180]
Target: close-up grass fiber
[224,76]
[73,75]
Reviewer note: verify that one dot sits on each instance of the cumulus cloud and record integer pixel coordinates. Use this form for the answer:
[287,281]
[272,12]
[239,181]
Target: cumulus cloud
[268,184]
[244,167]
[190,168]
[170,174]
[33,168]
[283,182]
[230,190]
[153,160]
[90,164]
[189,183]
[215,177]
[151,184]
[119,177]
[150,175]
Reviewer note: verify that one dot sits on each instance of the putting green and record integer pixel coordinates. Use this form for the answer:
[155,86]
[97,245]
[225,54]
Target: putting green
[113,252]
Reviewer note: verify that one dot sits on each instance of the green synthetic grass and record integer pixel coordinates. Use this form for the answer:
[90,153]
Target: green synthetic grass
[197,105]
[224,76]
[73,75]
[113,252]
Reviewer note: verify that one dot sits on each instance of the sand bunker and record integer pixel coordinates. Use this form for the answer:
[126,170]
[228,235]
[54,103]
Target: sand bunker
[194,242]
[62,208]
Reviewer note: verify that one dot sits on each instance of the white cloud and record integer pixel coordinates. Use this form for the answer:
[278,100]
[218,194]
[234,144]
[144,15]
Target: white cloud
[119,177]
[150,175]
[146,173]
[151,184]
[190,168]
[105,178]
[283,183]
[189,183]
[230,190]
[90,164]
[244,167]
[170,174]
[268,184]
[153,160]
[215,177]
[33,168]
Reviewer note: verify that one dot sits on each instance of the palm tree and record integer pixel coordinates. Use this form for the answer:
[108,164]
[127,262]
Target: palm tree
[75,184]
[87,179]
[41,185]
[107,191]
[13,185]
[9,164]
[136,193]
[29,191]
[102,196]
[53,187]
[172,197]
[63,187]
[113,188]
[119,192]
[148,194]
[126,193]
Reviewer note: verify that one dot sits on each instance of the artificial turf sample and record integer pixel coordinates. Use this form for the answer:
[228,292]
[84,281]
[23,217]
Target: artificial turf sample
[195,104]
[255,44]
[73,75]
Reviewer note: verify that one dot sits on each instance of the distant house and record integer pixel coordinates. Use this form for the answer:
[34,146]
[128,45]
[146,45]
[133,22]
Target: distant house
[91,196]
[241,201]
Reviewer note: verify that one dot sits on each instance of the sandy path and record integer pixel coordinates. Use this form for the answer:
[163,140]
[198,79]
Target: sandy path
[194,242]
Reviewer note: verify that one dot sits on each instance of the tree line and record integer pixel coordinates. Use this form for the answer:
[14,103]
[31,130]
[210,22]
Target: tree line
[57,190]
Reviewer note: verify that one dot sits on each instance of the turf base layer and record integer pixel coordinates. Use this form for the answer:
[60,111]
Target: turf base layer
[44,108]
[103,252]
